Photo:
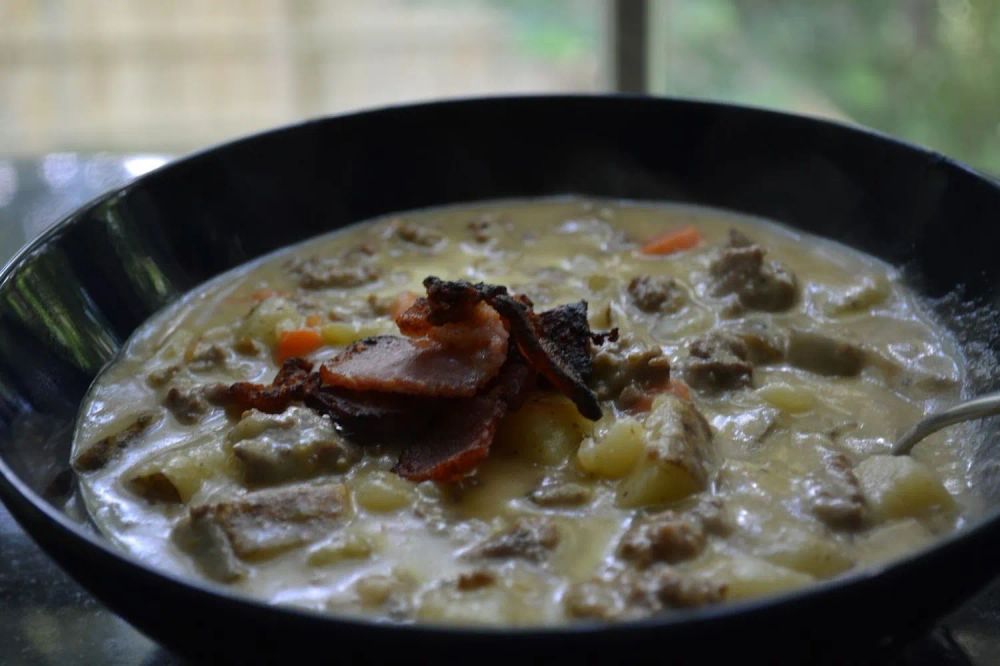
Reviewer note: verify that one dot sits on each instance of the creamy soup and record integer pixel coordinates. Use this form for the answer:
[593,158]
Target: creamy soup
[328,428]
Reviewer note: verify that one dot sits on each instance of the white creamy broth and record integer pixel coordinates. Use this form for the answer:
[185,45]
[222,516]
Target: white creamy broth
[760,464]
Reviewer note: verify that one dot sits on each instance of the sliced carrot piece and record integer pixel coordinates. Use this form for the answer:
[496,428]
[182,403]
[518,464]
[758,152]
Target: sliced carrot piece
[298,342]
[674,240]
[313,320]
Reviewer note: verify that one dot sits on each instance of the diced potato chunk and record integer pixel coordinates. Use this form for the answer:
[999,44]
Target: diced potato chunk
[901,487]
[599,316]
[673,464]
[382,492]
[598,282]
[613,451]
[789,399]
[891,541]
[393,591]
[501,482]
[177,474]
[657,483]
[746,577]
[805,552]
[348,545]
[269,317]
[547,429]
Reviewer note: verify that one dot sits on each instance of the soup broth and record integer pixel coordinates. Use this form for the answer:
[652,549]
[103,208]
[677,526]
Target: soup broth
[727,435]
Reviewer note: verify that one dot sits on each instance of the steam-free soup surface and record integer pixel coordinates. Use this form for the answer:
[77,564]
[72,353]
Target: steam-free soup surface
[748,405]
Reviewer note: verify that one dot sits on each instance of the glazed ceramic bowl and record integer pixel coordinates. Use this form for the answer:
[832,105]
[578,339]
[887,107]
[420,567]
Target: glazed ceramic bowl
[70,299]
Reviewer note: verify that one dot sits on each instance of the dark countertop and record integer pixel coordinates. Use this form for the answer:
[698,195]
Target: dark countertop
[46,618]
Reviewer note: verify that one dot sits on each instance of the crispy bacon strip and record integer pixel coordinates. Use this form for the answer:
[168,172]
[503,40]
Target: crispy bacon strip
[483,328]
[551,346]
[455,444]
[367,415]
[446,386]
[292,383]
[415,321]
[456,345]
[566,332]
[445,303]
[556,342]
[460,437]
[454,315]
[391,364]
[603,337]
[373,416]
[449,301]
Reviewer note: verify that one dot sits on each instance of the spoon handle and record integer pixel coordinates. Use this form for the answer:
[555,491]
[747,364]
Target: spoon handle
[977,408]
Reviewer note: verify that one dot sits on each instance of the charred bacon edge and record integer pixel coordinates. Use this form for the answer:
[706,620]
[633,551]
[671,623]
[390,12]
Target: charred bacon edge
[551,344]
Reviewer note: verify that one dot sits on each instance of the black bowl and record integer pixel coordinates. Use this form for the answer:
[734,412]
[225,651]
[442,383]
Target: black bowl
[68,301]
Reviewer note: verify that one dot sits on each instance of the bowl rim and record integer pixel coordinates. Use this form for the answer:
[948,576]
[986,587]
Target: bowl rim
[815,591]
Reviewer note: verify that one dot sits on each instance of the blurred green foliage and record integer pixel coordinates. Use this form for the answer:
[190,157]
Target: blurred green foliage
[555,29]
[925,70]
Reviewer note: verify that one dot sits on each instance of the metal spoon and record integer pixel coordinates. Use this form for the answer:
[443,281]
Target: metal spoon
[977,408]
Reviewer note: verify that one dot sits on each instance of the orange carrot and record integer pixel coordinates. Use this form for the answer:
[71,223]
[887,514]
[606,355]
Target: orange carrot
[313,320]
[297,343]
[674,240]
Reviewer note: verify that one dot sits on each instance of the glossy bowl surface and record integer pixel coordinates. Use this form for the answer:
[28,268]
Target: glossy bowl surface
[69,300]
